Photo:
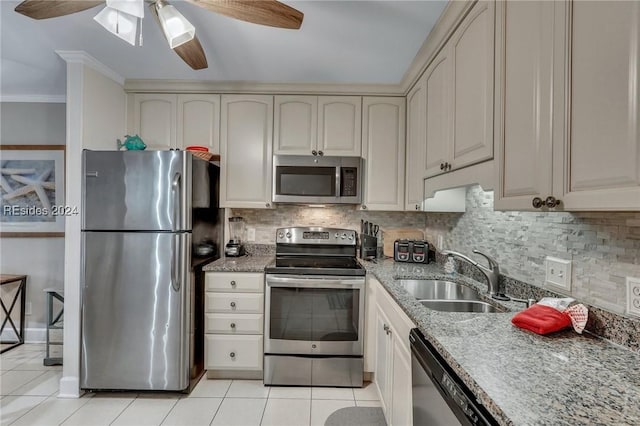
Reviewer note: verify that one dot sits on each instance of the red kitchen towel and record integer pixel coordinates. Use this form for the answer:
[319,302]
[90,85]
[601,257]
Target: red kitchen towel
[542,319]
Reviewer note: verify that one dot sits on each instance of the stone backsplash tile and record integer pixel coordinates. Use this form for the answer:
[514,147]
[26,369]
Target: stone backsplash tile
[266,221]
[604,247]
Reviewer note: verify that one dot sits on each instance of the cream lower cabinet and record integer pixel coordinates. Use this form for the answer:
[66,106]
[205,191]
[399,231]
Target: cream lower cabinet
[392,365]
[570,114]
[166,121]
[234,318]
[383,149]
[246,151]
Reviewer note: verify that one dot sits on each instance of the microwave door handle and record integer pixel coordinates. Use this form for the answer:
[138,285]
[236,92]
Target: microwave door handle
[338,183]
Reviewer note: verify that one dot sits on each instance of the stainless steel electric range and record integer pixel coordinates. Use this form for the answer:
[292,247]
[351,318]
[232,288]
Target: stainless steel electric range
[314,303]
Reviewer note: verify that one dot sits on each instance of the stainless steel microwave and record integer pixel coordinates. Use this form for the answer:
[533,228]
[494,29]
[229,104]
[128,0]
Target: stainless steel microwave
[303,179]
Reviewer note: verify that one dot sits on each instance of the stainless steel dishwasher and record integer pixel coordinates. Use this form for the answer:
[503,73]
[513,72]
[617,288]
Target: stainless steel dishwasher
[439,396]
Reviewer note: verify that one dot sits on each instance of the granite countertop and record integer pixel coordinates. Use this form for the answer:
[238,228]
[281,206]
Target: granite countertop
[523,378]
[239,264]
[520,377]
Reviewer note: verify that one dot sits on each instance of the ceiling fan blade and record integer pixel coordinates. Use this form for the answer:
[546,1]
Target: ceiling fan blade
[192,53]
[264,12]
[44,9]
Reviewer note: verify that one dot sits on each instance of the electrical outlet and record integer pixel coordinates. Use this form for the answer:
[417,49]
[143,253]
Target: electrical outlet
[440,242]
[27,308]
[251,234]
[558,273]
[633,296]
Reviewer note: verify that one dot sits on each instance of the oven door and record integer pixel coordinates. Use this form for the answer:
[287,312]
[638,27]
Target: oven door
[314,315]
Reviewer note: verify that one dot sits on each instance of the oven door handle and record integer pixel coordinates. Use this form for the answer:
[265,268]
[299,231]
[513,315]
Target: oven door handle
[314,282]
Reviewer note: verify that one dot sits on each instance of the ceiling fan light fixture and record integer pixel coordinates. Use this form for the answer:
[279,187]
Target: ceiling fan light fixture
[177,29]
[118,23]
[132,7]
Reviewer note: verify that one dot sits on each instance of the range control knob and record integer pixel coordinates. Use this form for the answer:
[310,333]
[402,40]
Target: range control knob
[337,235]
[343,236]
[351,237]
[288,234]
[281,235]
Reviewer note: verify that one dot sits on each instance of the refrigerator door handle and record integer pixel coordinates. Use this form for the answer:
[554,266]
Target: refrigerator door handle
[177,198]
[175,262]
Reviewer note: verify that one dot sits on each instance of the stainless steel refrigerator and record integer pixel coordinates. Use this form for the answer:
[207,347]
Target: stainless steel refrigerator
[142,293]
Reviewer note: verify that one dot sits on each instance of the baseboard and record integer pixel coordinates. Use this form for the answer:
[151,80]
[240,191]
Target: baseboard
[31,335]
[234,374]
[70,387]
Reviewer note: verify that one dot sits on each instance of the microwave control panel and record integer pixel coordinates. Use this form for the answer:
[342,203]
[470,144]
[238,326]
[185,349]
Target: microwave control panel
[349,181]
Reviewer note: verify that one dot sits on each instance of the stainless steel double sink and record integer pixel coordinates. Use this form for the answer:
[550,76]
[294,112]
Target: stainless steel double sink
[447,296]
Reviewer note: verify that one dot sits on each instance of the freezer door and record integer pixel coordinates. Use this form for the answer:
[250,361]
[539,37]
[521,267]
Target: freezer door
[135,330]
[136,190]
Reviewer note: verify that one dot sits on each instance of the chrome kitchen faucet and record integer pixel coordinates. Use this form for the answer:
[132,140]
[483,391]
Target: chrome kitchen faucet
[492,272]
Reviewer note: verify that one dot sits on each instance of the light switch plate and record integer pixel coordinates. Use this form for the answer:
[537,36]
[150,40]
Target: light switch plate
[633,296]
[558,273]
[251,234]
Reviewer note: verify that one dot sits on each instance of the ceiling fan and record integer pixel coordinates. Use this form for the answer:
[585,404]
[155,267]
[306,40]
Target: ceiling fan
[122,18]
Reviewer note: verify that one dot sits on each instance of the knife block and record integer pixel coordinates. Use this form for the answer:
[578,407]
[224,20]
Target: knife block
[368,246]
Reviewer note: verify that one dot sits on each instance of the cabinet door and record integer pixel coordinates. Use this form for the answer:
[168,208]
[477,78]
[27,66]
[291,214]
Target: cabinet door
[339,125]
[401,394]
[383,363]
[154,119]
[416,145]
[246,151]
[438,88]
[603,170]
[383,149]
[525,135]
[295,128]
[472,48]
[199,121]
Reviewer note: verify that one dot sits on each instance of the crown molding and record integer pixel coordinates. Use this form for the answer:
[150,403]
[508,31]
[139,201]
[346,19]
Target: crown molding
[437,38]
[185,86]
[81,57]
[49,99]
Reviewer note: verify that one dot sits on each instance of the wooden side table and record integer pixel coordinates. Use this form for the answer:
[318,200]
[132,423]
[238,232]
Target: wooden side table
[21,280]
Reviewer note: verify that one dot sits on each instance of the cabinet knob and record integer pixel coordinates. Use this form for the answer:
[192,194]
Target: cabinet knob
[232,325]
[233,304]
[551,202]
[537,203]
[233,283]
[232,354]
[320,153]
[364,207]
[267,205]
[386,329]
[448,166]
[314,152]
[441,166]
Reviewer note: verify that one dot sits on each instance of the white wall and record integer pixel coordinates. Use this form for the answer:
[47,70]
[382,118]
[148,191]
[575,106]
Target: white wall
[42,259]
[96,111]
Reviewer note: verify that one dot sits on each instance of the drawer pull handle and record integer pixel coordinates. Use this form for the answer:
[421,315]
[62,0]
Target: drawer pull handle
[233,325]
[232,354]
[233,283]
[233,304]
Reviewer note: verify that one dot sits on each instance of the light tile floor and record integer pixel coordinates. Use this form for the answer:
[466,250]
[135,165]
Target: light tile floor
[28,397]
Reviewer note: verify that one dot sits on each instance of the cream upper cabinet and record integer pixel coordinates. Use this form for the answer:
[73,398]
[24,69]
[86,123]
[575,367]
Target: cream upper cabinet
[246,151]
[295,127]
[472,47]
[525,56]
[154,119]
[383,149]
[438,81]
[416,145]
[571,136]
[603,147]
[199,121]
[339,125]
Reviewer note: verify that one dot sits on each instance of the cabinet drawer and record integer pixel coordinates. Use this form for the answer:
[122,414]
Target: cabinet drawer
[233,352]
[248,303]
[234,281]
[233,323]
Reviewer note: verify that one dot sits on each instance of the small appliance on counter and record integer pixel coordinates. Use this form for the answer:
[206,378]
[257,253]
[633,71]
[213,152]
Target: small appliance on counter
[368,240]
[411,251]
[234,247]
